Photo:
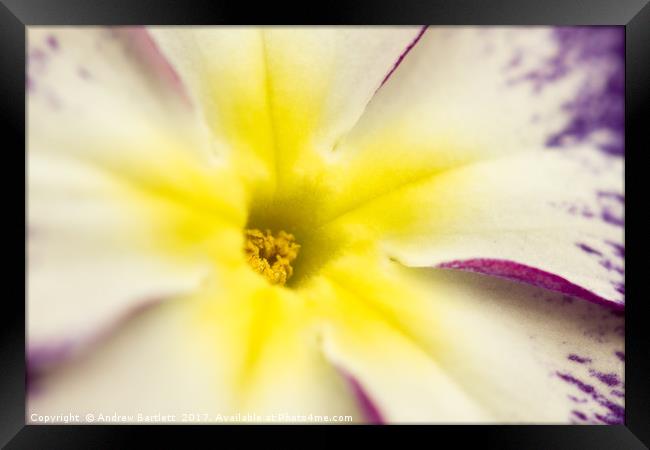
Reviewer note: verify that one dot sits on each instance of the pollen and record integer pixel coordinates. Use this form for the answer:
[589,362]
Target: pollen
[271,254]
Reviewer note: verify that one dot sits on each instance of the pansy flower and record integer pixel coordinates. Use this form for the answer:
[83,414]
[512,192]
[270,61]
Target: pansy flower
[392,224]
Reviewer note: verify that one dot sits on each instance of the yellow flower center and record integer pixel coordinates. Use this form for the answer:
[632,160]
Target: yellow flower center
[271,255]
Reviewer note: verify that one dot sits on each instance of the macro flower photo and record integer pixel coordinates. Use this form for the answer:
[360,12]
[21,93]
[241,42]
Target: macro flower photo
[325,225]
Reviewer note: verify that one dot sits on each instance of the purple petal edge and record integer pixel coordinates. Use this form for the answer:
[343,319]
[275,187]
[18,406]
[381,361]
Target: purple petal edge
[403,55]
[41,357]
[520,272]
[370,411]
[146,48]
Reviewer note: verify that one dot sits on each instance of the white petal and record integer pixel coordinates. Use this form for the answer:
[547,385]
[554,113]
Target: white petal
[97,94]
[374,331]
[528,210]
[249,355]
[496,89]
[154,366]
[278,95]
[115,171]
[525,354]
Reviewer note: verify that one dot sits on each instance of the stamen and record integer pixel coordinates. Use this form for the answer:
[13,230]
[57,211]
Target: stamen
[271,255]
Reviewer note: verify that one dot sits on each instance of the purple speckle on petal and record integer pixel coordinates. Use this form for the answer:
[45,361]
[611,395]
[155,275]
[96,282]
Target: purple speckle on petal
[599,104]
[610,379]
[620,287]
[620,356]
[53,42]
[612,206]
[618,248]
[586,388]
[37,55]
[515,61]
[611,218]
[607,264]
[579,415]
[577,400]
[613,195]
[578,359]
[608,419]
[588,249]
[616,412]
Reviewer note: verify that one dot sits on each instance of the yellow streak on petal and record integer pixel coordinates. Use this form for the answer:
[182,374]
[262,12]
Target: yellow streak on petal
[295,108]
[267,341]
[384,330]
[364,171]
[372,289]
[187,208]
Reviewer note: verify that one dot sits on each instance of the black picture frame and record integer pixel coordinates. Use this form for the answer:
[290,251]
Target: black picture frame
[16,15]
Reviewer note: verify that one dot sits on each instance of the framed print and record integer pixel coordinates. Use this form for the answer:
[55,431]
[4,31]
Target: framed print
[418,220]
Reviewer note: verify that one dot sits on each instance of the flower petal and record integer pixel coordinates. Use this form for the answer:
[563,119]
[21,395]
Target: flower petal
[281,94]
[99,246]
[539,210]
[539,357]
[380,343]
[465,94]
[496,351]
[251,355]
[404,385]
[321,79]
[270,339]
[224,72]
[150,367]
[500,88]
[117,179]
[95,86]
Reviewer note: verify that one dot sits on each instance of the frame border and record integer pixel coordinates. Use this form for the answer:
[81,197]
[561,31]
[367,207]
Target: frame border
[371,12]
[16,15]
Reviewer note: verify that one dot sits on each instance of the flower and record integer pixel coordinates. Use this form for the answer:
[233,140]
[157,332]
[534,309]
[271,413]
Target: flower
[263,223]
